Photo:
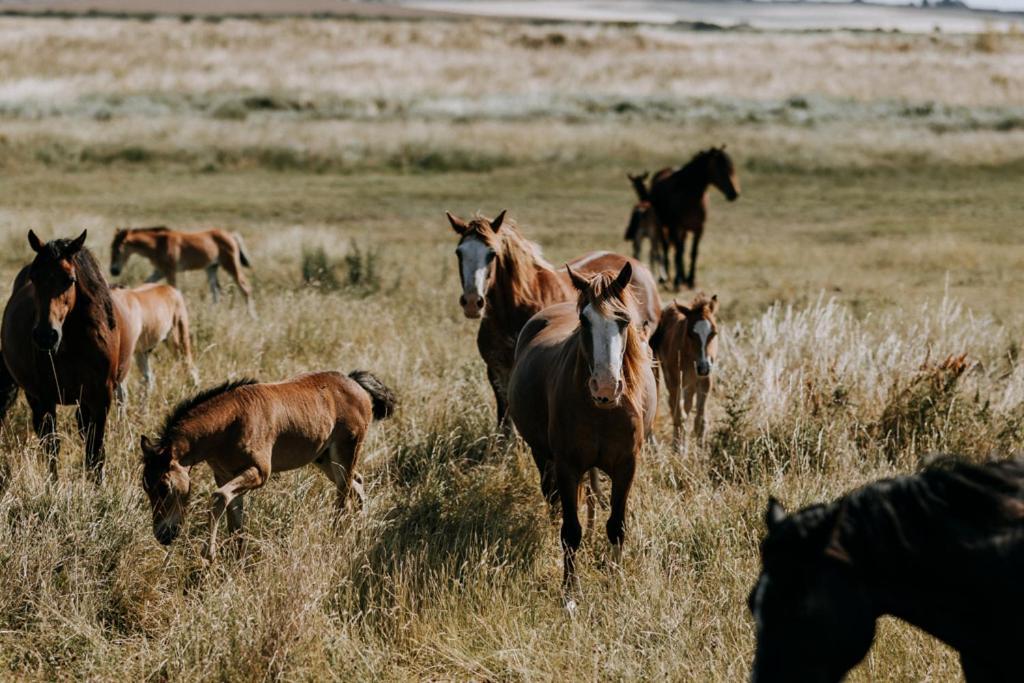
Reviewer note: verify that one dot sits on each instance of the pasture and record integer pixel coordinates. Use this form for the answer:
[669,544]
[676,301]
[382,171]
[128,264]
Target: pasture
[869,281]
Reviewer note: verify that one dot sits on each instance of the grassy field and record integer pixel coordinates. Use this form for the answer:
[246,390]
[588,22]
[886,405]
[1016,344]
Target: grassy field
[877,235]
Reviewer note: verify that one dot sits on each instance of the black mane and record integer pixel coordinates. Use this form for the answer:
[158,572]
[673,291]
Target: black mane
[186,406]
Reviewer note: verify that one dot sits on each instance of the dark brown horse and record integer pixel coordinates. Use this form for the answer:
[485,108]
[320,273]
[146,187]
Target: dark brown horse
[680,199]
[505,280]
[64,343]
[643,224]
[942,550]
[583,395]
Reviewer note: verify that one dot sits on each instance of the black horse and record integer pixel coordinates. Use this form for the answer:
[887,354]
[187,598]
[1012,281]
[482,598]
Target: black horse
[942,550]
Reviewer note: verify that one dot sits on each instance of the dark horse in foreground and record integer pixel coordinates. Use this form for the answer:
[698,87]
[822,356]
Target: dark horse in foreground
[680,200]
[64,343]
[942,550]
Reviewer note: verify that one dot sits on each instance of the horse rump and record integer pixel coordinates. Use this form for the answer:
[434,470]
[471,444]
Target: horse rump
[383,398]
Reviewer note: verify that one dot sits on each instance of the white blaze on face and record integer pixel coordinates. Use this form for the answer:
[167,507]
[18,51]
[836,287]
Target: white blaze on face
[608,342]
[702,328]
[473,258]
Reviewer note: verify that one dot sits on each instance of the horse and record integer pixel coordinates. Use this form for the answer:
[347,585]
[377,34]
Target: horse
[583,395]
[505,281]
[686,347]
[172,251]
[244,430]
[942,550]
[643,224]
[64,342]
[680,199]
[155,313]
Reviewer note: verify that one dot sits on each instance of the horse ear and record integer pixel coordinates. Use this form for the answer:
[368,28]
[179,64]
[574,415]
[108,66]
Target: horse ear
[498,220]
[578,282]
[75,246]
[774,515]
[34,241]
[622,279]
[458,225]
[714,303]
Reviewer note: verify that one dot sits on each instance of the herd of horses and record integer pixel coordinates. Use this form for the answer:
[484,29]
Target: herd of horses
[575,357]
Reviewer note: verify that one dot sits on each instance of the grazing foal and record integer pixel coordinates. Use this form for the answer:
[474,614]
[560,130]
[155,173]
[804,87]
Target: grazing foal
[583,396]
[64,342]
[686,346]
[942,550]
[155,313]
[171,252]
[680,199]
[244,431]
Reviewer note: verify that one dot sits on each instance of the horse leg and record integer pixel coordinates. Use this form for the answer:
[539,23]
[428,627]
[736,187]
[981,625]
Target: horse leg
[211,278]
[92,423]
[142,360]
[675,405]
[655,254]
[688,393]
[698,420]
[593,496]
[44,422]
[250,478]
[181,339]
[339,464]
[233,264]
[622,481]
[679,243]
[572,532]
[691,280]
[500,401]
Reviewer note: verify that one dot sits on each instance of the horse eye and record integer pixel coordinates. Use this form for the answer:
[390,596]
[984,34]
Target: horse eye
[490,256]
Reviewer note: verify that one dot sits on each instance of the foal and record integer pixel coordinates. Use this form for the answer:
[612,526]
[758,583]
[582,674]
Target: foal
[643,224]
[244,431]
[171,251]
[155,313]
[686,346]
[583,395]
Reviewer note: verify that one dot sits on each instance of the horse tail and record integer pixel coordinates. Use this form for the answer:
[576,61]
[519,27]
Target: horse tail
[241,249]
[634,224]
[8,389]
[182,333]
[383,398]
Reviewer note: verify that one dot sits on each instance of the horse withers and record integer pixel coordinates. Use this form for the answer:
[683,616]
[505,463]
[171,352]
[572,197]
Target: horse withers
[155,313]
[244,431]
[942,550]
[505,280]
[686,346]
[680,199]
[583,396]
[171,251]
[64,342]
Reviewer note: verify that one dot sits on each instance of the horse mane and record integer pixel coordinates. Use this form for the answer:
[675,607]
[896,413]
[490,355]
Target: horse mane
[609,301]
[701,304]
[950,503]
[518,257]
[91,283]
[187,405]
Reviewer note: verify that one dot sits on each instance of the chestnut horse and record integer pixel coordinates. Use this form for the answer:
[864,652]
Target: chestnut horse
[155,313]
[643,224]
[64,343]
[505,280]
[244,431]
[583,395]
[686,346]
[171,251]
[680,198]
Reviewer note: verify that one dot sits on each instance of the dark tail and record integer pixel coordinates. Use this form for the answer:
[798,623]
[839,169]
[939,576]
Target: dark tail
[8,389]
[383,398]
[241,250]
[634,224]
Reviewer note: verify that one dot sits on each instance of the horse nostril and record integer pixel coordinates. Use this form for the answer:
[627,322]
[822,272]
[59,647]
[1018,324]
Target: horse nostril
[462,300]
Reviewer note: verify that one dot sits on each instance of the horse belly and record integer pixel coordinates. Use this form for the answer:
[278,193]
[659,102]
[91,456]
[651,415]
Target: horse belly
[294,450]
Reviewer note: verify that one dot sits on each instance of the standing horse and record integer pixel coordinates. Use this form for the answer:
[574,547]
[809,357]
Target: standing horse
[583,395]
[942,550]
[643,224]
[244,431]
[686,346]
[64,343]
[154,313]
[171,252]
[680,199]
[505,281]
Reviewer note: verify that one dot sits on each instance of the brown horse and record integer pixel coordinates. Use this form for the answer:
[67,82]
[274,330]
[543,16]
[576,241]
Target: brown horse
[643,224]
[680,199]
[65,343]
[155,313]
[171,251]
[505,280]
[686,346]
[244,431]
[583,395]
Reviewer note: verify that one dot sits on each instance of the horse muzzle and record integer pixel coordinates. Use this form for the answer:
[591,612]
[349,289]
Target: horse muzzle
[472,305]
[46,338]
[704,368]
[165,533]
[115,270]
[605,392]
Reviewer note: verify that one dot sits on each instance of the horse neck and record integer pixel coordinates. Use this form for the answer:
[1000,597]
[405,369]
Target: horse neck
[516,295]
[693,178]
[142,243]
